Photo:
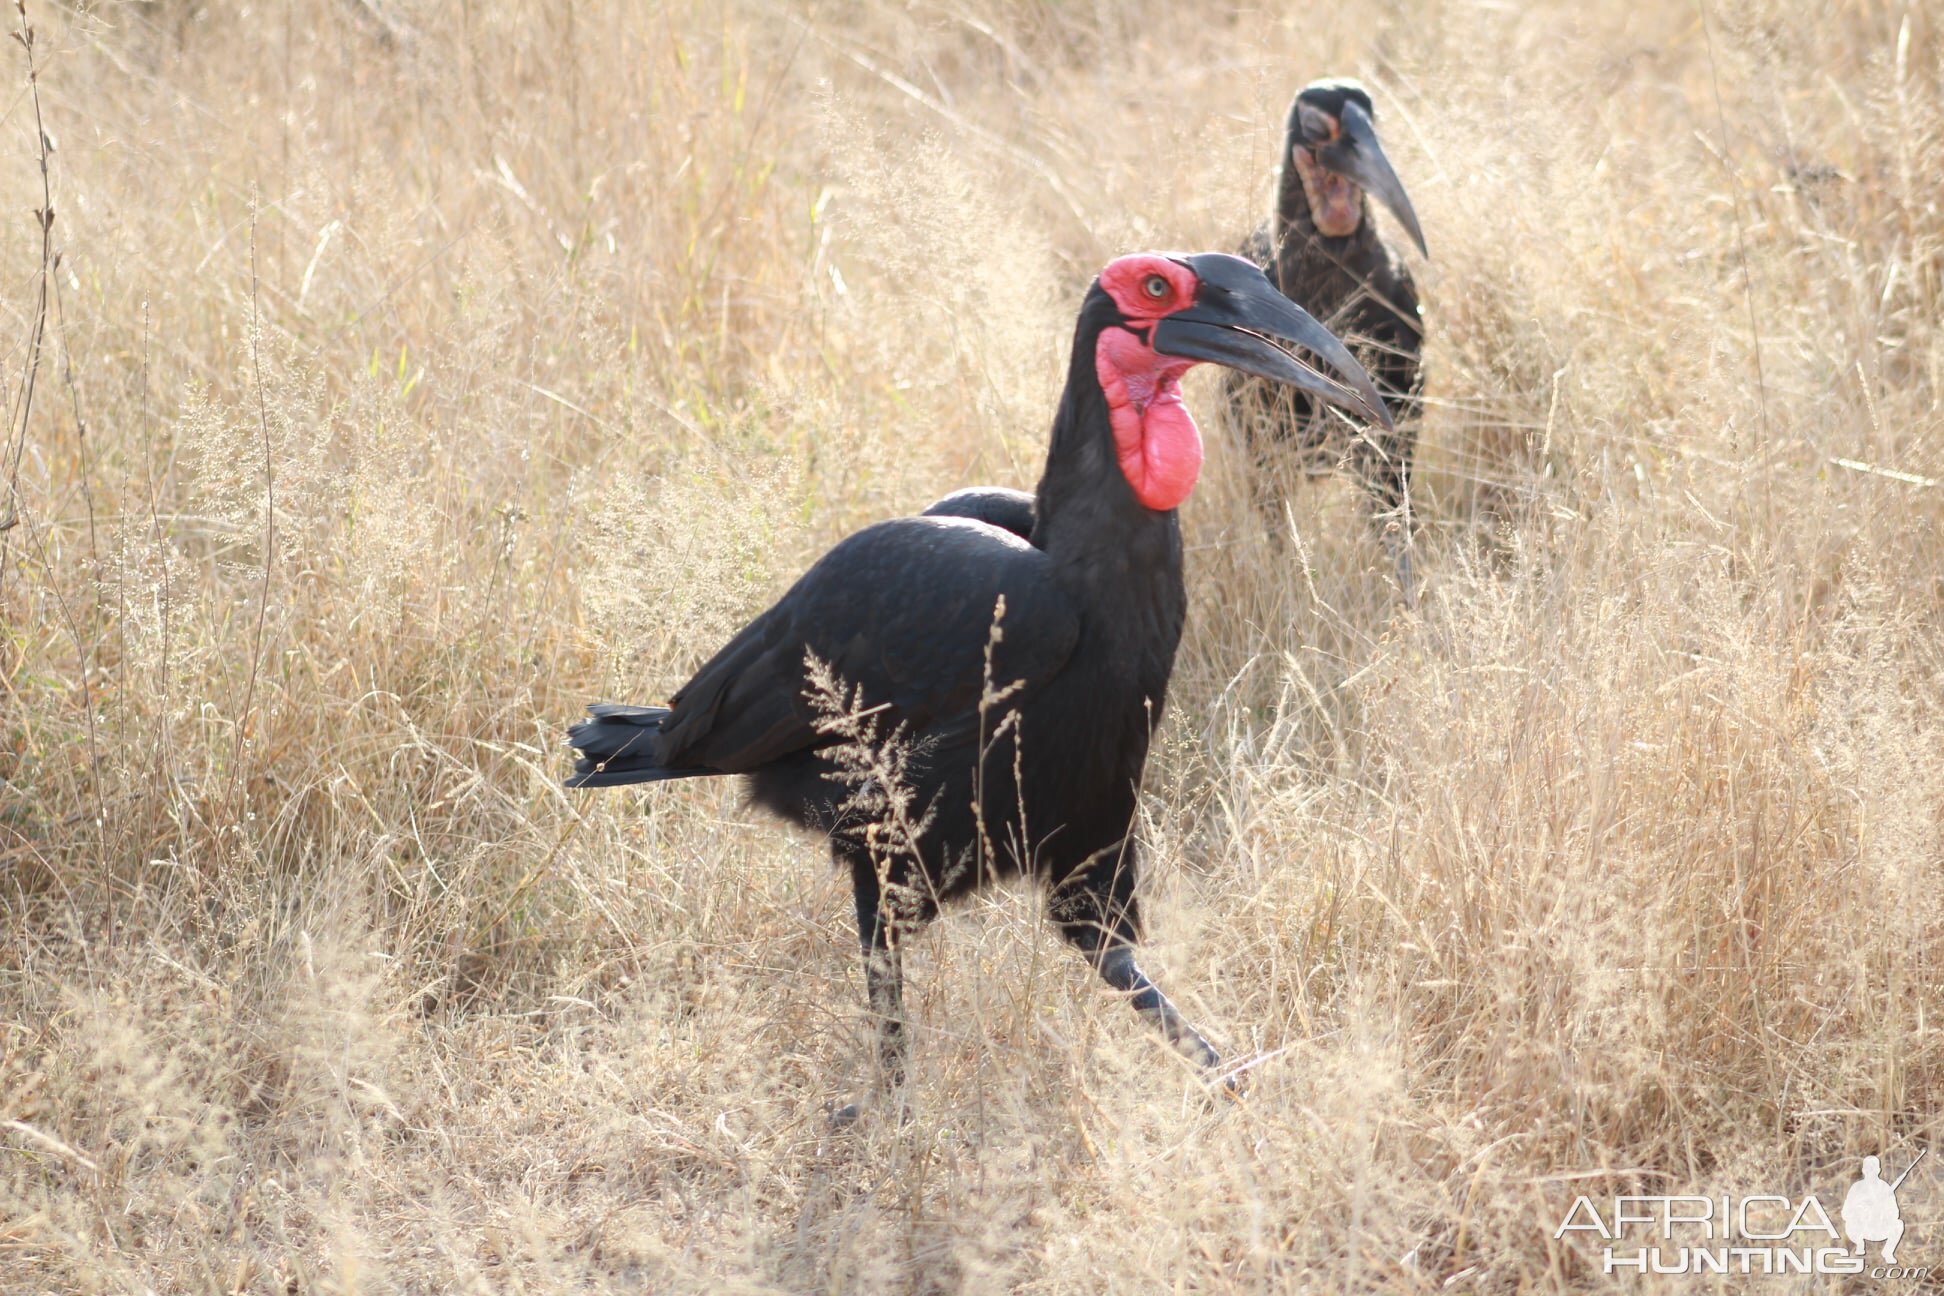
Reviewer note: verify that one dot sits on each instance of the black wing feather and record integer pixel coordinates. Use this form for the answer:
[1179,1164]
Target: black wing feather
[1009,510]
[902,610]
[617,747]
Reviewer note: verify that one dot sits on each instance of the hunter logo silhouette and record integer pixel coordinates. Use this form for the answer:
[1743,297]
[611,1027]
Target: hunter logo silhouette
[1870,1209]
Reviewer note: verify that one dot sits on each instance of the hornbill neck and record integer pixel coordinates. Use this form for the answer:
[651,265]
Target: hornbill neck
[1085,511]
[1294,233]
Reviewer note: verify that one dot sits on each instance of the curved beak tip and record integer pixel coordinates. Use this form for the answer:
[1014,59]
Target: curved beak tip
[1359,157]
[1417,237]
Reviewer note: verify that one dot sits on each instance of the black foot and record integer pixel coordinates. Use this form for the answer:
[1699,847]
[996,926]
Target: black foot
[851,1112]
[1232,1085]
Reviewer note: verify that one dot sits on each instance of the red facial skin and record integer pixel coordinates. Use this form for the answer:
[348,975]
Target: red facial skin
[1155,439]
[1335,203]
[1334,208]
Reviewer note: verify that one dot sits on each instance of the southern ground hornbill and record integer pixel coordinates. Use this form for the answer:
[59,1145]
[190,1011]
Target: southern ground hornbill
[1321,248]
[1016,649]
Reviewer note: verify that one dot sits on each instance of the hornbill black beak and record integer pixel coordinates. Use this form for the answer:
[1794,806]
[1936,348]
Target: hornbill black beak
[1356,155]
[1241,321]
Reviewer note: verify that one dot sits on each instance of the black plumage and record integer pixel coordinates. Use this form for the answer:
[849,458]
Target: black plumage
[1008,509]
[1350,279]
[1016,648]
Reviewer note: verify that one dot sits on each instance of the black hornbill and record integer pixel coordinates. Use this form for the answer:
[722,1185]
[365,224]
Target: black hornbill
[1322,249]
[1023,744]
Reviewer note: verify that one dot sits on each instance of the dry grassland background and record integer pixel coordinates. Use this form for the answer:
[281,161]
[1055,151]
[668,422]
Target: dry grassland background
[415,371]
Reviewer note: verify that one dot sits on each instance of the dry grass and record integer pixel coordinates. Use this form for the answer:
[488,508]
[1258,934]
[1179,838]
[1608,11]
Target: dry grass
[571,335]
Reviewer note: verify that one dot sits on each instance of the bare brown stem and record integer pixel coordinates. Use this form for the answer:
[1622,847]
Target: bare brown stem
[269,518]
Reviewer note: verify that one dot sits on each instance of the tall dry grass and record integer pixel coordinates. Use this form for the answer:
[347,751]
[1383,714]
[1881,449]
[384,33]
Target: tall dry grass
[413,372]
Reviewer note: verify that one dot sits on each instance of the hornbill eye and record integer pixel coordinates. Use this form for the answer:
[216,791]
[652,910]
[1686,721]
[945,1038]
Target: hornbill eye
[1318,126]
[1155,287]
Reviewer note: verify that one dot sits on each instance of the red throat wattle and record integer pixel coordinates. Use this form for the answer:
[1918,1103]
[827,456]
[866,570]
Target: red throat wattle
[1155,438]
[1336,204]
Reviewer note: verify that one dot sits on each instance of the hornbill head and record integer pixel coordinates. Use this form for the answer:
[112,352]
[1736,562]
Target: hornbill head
[1332,143]
[1156,315]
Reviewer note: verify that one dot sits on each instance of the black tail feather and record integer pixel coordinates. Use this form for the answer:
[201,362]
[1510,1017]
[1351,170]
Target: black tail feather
[618,747]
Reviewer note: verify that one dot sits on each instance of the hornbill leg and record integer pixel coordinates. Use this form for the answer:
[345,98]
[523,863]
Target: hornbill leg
[1099,917]
[883,983]
[1288,438]
[1386,473]
[1118,969]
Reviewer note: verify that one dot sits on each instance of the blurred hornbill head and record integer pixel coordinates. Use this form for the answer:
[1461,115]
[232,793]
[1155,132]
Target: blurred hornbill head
[1332,143]
[1154,316]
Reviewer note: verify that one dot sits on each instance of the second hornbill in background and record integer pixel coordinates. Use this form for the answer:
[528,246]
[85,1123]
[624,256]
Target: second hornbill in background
[1321,248]
[1020,675]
